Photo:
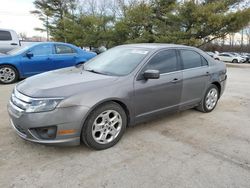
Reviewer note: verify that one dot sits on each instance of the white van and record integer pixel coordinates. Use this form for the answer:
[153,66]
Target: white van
[8,40]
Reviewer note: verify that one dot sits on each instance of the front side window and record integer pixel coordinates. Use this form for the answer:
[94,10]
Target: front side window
[63,49]
[164,61]
[40,50]
[192,59]
[5,35]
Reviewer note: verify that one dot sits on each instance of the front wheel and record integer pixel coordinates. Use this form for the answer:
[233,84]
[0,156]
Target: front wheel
[105,126]
[8,74]
[235,61]
[210,99]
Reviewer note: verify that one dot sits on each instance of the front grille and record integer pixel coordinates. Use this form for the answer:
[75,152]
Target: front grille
[19,100]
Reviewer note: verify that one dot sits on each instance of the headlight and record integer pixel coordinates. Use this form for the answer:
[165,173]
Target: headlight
[43,105]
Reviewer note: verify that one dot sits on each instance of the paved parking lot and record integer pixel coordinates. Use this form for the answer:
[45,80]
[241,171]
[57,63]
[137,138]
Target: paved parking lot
[187,149]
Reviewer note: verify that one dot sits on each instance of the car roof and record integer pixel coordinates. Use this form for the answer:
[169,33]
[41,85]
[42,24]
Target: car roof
[156,45]
[39,43]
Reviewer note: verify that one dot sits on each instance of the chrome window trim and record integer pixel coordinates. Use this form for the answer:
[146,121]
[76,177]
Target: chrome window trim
[162,74]
[195,68]
[184,70]
[66,54]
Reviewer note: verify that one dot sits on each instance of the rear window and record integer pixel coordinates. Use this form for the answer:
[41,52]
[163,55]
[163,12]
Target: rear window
[5,35]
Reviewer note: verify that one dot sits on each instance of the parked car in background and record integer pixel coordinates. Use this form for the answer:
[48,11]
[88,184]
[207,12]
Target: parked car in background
[121,87]
[99,50]
[8,40]
[27,61]
[211,54]
[228,57]
[246,57]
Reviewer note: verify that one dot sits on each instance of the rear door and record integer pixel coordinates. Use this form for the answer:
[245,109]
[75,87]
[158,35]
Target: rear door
[195,77]
[64,56]
[40,62]
[156,95]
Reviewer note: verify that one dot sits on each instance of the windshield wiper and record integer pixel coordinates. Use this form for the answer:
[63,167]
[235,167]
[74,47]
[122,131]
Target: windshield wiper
[94,71]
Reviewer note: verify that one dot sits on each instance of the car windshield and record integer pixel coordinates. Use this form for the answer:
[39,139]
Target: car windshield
[18,50]
[117,61]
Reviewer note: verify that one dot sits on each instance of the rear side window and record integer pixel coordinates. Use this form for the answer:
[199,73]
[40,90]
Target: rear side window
[63,49]
[192,59]
[204,61]
[226,55]
[44,49]
[164,61]
[5,35]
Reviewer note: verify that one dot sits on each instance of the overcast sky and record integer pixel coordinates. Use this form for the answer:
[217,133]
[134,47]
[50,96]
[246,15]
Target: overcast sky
[15,14]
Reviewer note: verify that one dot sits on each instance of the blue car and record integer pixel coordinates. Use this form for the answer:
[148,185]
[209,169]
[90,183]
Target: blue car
[40,57]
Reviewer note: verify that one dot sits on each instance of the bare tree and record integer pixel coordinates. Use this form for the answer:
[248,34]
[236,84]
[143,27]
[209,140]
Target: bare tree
[23,36]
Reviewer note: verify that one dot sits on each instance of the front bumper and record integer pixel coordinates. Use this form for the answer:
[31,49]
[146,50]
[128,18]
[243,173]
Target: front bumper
[68,118]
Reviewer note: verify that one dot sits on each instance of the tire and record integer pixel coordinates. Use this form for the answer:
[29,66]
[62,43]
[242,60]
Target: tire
[235,61]
[217,59]
[99,132]
[209,98]
[8,74]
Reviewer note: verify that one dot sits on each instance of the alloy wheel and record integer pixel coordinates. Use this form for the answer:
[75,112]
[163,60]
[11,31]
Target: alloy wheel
[7,75]
[211,99]
[106,126]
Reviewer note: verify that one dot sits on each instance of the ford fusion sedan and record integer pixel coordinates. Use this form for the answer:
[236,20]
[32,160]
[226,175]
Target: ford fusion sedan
[38,58]
[121,87]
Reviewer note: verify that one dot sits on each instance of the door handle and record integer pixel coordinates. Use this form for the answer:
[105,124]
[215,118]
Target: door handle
[175,80]
[207,73]
[13,44]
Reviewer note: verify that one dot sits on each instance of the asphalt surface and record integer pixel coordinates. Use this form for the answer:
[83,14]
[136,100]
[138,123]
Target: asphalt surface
[187,149]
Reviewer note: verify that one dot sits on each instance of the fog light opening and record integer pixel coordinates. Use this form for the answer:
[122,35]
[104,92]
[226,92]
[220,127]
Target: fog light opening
[46,132]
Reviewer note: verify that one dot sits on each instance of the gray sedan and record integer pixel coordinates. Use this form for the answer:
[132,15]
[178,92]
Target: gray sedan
[125,85]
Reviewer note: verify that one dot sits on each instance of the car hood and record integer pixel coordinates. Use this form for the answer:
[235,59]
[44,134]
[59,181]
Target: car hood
[63,83]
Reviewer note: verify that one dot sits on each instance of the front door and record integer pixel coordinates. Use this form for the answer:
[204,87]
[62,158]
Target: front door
[155,95]
[39,62]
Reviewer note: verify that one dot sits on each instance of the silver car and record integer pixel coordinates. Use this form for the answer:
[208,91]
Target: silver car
[126,85]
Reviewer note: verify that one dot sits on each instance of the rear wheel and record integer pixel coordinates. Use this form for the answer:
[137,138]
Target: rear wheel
[105,126]
[8,74]
[210,99]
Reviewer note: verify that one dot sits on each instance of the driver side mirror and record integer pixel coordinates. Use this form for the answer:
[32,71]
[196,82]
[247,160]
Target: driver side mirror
[29,54]
[151,74]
